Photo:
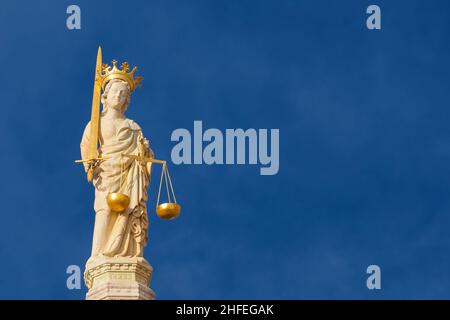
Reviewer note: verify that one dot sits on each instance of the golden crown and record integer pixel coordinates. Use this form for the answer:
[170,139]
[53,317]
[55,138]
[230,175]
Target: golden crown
[108,73]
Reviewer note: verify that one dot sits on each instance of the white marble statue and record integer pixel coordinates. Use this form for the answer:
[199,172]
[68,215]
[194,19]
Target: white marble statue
[119,234]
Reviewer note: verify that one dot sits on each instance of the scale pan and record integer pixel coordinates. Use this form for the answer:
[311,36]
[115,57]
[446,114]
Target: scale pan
[168,210]
[118,202]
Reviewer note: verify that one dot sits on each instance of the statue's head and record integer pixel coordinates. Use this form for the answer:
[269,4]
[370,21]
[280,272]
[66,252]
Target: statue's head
[117,96]
[117,84]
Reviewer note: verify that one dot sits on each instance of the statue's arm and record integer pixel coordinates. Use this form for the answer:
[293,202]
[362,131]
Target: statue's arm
[144,145]
[84,145]
[149,154]
[145,150]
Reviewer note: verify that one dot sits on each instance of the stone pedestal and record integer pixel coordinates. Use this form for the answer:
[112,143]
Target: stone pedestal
[118,279]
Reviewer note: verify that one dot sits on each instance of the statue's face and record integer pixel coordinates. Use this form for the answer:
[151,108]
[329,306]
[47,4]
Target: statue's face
[117,96]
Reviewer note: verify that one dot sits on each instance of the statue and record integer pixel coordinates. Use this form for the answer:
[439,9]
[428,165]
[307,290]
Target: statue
[117,159]
[119,234]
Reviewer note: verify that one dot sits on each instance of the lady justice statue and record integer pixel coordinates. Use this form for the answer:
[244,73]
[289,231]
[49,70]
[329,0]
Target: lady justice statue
[112,149]
[118,234]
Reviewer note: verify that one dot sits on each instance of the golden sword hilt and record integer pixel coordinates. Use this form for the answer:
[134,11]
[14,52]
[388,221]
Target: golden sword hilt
[93,163]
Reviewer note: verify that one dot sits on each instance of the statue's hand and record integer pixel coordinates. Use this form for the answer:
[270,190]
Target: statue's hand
[149,153]
[92,169]
[144,147]
[97,170]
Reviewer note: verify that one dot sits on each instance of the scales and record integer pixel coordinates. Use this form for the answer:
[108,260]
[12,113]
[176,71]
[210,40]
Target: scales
[119,202]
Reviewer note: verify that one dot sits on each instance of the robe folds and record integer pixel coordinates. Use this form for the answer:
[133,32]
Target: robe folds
[122,234]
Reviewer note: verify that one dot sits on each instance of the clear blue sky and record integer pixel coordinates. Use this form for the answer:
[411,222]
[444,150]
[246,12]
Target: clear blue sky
[364,144]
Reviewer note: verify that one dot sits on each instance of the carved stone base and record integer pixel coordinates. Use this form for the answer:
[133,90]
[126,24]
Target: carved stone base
[118,279]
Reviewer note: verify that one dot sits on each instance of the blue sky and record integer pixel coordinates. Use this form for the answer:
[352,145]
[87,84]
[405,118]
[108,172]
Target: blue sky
[364,145]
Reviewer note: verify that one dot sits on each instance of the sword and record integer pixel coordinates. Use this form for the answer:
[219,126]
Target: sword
[92,157]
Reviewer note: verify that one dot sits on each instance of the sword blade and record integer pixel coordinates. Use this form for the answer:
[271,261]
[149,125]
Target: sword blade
[95,114]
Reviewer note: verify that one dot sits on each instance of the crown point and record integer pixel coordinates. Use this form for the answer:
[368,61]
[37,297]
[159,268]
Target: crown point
[125,66]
